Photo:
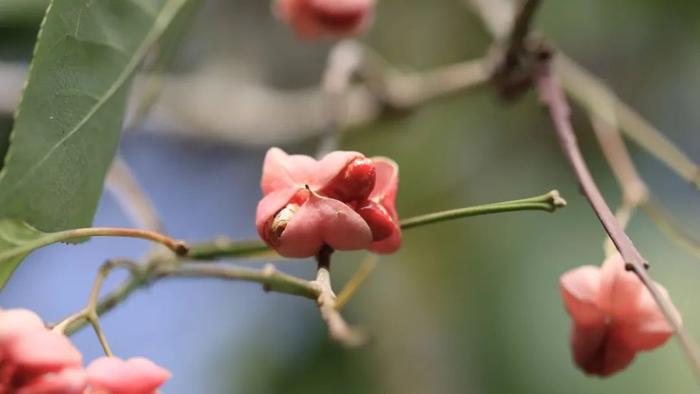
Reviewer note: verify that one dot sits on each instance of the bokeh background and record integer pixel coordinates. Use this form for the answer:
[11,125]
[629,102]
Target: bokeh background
[465,307]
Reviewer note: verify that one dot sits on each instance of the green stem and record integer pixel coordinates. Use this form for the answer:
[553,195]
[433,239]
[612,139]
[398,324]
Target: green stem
[547,202]
[179,247]
[225,248]
[269,277]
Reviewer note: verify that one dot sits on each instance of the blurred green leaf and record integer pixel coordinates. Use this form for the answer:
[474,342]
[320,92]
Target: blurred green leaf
[21,12]
[5,127]
[68,123]
[16,239]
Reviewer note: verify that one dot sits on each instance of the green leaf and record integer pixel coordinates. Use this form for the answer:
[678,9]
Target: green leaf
[68,123]
[5,127]
[16,241]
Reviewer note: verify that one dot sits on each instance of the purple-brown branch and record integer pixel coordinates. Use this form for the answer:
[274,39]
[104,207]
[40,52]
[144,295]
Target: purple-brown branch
[553,97]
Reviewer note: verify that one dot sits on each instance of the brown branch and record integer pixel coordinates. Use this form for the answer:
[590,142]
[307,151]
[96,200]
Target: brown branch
[515,63]
[553,97]
[584,87]
[338,329]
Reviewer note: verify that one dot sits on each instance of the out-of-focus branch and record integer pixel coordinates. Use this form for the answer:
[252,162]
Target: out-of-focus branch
[131,197]
[497,15]
[553,96]
[585,88]
[367,265]
[208,107]
[343,61]
[670,226]
[212,107]
[514,68]
[588,91]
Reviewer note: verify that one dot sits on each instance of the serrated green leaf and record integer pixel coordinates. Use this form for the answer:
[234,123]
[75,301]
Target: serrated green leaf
[15,237]
[68,123]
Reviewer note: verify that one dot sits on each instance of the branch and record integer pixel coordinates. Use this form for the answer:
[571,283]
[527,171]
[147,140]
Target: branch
[178,247]
[198,106]
[225,248]
[343,61]
[669,225]
[604,120]
[589,91]
[584,87]
[338,329]
[367,265]
[547,202]
[269,277]
[513,73]
[89,314]
[553,96]
[131,197]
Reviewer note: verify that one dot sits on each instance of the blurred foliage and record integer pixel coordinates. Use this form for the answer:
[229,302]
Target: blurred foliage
[472,306]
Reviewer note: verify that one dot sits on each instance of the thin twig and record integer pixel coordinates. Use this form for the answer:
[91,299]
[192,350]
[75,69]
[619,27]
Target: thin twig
[547,202]
[201,103]
[521,27]
[178,247]
[197,106]
[669,225]
[635,191]
[512,75]
[226,248]
[343,60]
[131,197]
[89,314]
[338,329]
[588,90]
[268,277]
[553,96]
[367,265]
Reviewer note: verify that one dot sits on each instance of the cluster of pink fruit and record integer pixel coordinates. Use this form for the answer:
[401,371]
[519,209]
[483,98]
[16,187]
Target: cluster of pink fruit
[347,202]
[36,360]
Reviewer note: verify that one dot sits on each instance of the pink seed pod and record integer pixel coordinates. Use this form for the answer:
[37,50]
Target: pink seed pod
[308,203]
[315,19]
[112,375]
[34,359]
[613,316]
